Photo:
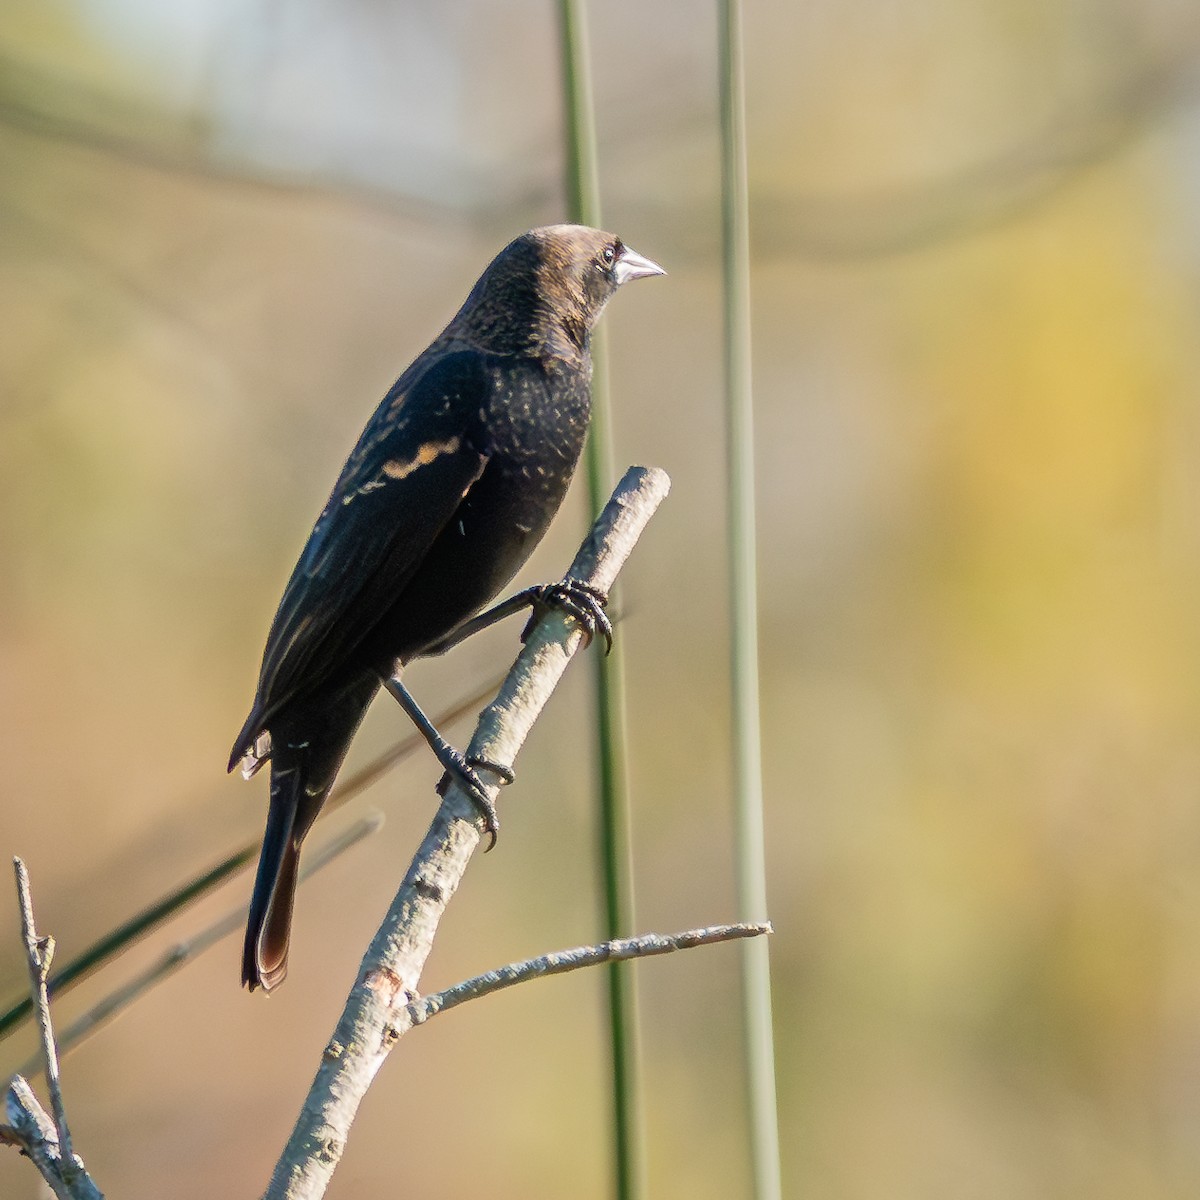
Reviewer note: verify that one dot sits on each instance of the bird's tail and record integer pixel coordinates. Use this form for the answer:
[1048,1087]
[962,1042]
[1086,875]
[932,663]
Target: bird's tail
[302,774]
[268,931]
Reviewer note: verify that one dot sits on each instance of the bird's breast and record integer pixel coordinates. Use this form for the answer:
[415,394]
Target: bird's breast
[537,415]
[535,429]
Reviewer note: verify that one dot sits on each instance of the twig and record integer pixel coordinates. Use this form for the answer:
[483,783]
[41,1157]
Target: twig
[560,961]
[391,969]
[47,1144]
[39,952]
[179,955]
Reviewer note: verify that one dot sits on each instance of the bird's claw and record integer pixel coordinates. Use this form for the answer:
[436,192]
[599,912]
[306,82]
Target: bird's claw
[463,768]
[506,773]
[578,600]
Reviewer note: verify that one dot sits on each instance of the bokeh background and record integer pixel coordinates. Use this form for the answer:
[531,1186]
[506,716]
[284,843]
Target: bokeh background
[225,228]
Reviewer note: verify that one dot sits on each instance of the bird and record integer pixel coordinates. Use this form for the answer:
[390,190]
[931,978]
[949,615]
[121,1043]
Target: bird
[451,485]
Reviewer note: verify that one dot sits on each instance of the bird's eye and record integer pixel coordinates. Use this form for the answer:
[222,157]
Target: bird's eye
[609,254]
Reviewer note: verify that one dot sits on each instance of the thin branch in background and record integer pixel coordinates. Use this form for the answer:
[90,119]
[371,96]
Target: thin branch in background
[48,1145]
[560,961]
[101,952]
[751,869]
[616,852]
[178,956]
[375,1012]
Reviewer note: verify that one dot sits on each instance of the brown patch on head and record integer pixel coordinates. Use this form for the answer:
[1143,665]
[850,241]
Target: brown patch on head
[573,269]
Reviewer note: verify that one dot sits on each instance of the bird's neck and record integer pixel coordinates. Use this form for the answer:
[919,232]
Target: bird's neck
[560,335]
[538,332]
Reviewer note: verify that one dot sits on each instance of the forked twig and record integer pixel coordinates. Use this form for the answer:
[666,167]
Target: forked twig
[39,952]
[26,1126]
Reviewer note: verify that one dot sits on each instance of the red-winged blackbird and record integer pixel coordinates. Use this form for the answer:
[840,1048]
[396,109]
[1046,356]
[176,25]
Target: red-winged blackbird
[452,484]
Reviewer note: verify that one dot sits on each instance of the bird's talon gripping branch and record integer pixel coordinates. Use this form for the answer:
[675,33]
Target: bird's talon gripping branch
[461,767]
[578,600]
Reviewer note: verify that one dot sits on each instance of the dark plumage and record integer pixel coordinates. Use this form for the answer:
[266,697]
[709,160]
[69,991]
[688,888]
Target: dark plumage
[452,484]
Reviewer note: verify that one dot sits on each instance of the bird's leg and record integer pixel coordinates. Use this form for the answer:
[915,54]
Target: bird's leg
[454,761]
[506,608]
[580,600]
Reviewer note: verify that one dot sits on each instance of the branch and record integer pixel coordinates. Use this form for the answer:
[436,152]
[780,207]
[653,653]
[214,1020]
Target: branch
[39,952]
[391,969]
[47,1144]
[418,1011]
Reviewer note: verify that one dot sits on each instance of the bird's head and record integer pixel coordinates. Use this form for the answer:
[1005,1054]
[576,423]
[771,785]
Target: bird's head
[545,291]
[581,268]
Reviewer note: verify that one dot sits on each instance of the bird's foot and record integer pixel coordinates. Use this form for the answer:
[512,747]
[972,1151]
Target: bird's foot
[462,767]
[579,600]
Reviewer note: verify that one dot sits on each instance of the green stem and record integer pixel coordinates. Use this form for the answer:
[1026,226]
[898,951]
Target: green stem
[583,191]
[762,1110]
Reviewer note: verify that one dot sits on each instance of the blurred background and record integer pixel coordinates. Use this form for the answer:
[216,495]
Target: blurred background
[225,228]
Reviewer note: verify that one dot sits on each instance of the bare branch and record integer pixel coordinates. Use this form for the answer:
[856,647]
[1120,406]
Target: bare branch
[39,952]
[391,969]
[47,1144]
[561,961]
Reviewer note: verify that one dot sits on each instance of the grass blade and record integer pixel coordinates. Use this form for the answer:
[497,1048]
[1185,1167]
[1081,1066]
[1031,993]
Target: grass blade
[583,192]
[762,1112]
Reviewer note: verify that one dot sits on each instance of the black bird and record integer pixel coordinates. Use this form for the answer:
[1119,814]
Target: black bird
[452,484]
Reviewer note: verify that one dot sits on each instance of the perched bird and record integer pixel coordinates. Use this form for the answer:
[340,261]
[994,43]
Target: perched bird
[450,487]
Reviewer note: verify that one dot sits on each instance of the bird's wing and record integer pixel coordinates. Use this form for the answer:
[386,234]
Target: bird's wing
[416,460]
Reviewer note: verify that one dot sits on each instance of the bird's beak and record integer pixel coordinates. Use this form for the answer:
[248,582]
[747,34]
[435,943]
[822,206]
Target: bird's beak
[631,265]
